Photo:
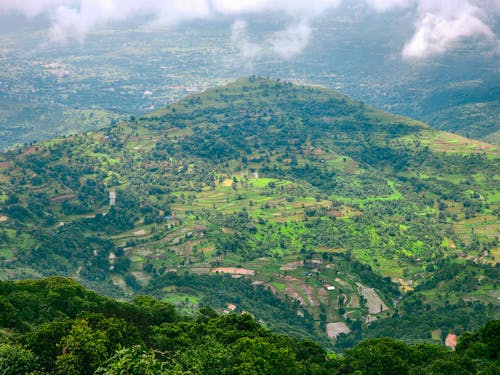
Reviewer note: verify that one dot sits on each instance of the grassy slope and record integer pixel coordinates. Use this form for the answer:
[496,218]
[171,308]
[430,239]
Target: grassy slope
[304,174]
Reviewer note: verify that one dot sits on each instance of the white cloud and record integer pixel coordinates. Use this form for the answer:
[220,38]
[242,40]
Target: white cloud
[439,24]
[443,24]
[286,43]
[295,7]
[32,8]
[385,5]
[73,19]
[292,41]
[240,39]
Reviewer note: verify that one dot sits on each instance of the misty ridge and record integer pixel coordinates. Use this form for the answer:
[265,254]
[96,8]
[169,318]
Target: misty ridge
[433,61]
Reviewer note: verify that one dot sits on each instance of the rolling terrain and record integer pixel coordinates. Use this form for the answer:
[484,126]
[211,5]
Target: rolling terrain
[321,216]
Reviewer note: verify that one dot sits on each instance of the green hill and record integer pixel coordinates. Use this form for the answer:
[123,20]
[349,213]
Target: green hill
[343,217]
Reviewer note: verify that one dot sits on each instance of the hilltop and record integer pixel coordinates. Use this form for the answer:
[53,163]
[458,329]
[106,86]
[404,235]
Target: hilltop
[266,196]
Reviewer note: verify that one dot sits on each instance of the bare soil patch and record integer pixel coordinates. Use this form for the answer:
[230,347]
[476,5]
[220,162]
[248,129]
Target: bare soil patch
[354,301]
[335,329]
[406,285]
[309,291]
[292,293]
[323,295]
[234,271]
[62,198]
[374,303]
[141,277]
[200,270]
[292,283]
[258,282]
[29,151]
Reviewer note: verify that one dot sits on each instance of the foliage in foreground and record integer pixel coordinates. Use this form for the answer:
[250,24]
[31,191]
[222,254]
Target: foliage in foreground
[54,326]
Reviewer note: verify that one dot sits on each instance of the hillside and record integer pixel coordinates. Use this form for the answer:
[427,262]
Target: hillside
[469,108]
[354,219]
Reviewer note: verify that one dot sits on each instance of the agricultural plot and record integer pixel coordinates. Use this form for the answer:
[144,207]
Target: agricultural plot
[374,303]
[449,143]
[335,329]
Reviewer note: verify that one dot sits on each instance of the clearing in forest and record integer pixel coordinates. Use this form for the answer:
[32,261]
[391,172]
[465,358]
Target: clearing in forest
[335,329]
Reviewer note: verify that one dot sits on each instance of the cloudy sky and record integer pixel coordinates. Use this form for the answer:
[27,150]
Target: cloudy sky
[439,25]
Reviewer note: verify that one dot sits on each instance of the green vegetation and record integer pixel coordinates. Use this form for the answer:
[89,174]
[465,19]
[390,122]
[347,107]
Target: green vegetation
[54,326]
[295,204]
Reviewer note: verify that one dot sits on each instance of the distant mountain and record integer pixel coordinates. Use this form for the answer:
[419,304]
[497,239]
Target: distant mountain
[361,222]
[49,90]
[470,108]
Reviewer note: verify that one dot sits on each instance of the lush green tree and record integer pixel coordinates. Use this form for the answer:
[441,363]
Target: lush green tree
[484,343]
[208,356]
[254,356]
[119,333]
[16,360]
[380,356]
[150,337]
[83,350]
[135,360]
[43,340]
[156,312]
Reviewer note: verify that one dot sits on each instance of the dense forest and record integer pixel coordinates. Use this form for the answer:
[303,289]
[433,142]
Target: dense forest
[55,326]
[323,217]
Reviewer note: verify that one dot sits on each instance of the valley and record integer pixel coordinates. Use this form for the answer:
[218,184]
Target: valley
[319,215]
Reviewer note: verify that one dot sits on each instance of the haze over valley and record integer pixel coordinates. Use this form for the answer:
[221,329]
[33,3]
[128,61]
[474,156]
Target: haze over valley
[58,78]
